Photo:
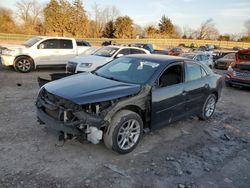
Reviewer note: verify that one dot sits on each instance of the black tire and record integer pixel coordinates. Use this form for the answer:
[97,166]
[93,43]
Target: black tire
[228,84]
[204,114]
[116,128]
[24,64]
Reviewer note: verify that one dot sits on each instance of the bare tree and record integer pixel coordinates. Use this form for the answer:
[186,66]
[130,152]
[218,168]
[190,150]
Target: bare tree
[207,30]
[100,17]
[30,13]
[247,26]
[178,31]
[189,32]
[110,13]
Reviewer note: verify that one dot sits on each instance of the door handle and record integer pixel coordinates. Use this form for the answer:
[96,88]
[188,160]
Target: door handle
[184,93]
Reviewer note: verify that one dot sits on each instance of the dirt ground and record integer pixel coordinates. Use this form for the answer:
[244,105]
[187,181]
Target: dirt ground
[190,153]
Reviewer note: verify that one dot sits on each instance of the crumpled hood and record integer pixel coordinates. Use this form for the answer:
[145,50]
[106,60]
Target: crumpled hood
[88,88]
[91,59]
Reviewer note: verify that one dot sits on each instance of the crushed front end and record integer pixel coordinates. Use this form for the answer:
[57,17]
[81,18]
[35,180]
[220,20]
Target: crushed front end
[69,118]
[239,75]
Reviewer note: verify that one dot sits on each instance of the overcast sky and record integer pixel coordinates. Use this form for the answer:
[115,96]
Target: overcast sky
[229,15]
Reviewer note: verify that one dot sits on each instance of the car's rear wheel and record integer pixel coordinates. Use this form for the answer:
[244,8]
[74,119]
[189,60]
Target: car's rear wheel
[124,132]
[228,84]
[24,64]
[208,107]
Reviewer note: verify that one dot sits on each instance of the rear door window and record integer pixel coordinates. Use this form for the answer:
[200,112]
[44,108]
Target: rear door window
[66,44]
[198,58]
[193,71]
[204,57]
[137,51]
[125,51]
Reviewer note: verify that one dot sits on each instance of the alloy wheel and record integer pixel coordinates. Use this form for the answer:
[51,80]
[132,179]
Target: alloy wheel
[24,65]
[210,107]
[128,134]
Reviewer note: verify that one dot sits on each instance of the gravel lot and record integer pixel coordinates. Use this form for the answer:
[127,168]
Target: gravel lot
[189,153]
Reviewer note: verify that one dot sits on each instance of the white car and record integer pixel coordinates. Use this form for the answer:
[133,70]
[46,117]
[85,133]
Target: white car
[202,57]
[102,56]
[41,51]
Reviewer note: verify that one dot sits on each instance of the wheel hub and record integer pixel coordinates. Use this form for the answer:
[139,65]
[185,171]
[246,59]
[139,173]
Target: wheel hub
[128,134]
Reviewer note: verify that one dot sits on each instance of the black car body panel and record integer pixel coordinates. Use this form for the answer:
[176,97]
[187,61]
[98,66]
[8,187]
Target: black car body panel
[85,88]
[86,99]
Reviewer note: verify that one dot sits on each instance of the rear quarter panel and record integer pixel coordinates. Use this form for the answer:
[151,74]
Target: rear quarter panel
[215,83]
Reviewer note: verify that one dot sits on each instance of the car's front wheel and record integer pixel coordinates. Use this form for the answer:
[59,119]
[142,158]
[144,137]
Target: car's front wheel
[24,64]
[208,107]
[124,132]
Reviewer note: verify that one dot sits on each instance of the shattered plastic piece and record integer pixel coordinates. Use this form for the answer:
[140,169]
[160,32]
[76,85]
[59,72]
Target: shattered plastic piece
[94,135]
[114,168]
[227,180]
[206,169]
[184,132]
[243,140]
[181,185]
[225,137]
[170,159]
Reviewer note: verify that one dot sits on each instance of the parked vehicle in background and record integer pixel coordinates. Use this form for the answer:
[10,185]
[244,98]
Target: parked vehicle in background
[237,48]
[41,51]
[239,75]
[150,48]
[102,56]
[202,57]
[175,51]
[126,96]
[182,45]
[207,47]
[225,62]
[80,42]
[219,54]
[90,51]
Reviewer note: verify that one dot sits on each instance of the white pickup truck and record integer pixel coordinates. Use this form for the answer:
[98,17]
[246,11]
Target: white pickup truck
[42,51]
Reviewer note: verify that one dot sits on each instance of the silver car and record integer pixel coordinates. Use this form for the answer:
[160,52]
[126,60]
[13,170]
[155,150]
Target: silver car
[202,57]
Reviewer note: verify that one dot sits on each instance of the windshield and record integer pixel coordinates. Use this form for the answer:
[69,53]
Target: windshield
[229,56]
[189,56]
[106,51]
[32,41]
[129,70]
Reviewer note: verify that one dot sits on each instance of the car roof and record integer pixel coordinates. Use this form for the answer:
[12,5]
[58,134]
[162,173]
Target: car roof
[51,37]
[190,53]
[162,59]
[121,47]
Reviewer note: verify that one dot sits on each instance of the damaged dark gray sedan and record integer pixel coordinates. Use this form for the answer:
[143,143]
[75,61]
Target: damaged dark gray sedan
[129,96]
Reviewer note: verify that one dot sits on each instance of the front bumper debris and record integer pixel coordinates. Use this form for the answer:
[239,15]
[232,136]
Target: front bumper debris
[56,125]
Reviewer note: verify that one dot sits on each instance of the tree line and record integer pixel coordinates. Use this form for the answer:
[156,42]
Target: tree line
[64,18]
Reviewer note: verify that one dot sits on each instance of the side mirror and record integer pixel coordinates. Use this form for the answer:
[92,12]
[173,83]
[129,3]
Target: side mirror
[119,55]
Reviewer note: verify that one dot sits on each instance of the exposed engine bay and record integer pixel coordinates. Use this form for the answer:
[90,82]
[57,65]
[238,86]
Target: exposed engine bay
[88,121]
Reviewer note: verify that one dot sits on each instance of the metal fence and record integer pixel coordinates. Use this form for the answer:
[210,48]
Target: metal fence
[161,43]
